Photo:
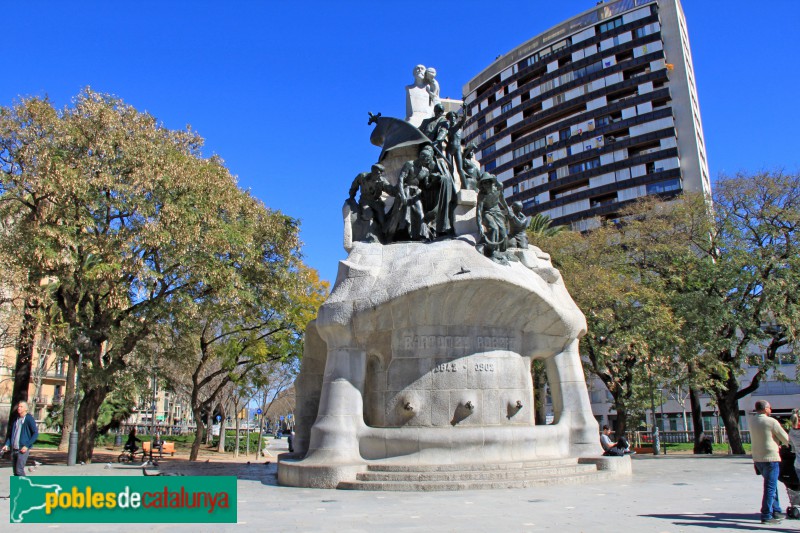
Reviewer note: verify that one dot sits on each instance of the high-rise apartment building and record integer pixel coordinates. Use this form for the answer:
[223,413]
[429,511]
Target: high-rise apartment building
[593,113]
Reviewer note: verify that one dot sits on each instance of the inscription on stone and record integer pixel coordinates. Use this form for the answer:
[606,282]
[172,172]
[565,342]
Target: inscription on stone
[453,367]
[445,367]
[411,342]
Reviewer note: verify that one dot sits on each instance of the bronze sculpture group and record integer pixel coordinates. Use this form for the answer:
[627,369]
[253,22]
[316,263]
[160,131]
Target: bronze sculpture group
[425,196]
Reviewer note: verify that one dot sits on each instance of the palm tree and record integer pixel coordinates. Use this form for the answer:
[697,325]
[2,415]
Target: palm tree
[540,226]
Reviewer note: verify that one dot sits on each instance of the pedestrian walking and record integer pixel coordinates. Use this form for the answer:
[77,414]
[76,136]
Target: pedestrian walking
[767,435]
[23,434]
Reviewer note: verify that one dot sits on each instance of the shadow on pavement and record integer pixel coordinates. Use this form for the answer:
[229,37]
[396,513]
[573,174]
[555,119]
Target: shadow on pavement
[267,474]
[725,521]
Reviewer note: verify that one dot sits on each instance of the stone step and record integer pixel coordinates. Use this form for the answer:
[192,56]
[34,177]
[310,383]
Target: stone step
[514,465]
[425,486]
[476,475]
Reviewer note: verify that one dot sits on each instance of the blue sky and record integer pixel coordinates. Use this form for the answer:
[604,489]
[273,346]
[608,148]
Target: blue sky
[281,90]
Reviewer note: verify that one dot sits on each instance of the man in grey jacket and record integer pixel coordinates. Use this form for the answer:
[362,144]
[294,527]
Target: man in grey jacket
[767,435]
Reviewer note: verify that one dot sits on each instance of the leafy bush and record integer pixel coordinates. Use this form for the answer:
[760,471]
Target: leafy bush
[230,442]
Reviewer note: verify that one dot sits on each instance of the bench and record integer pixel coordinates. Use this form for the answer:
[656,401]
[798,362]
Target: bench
[167,447]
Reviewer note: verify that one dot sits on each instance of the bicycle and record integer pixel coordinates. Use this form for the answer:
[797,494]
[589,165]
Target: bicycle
[127,456]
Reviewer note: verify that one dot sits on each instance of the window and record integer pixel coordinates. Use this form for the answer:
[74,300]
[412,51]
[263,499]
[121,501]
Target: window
[552,176]
[589,69]
[610,25]
[515,189]
[584,165]
[549,85]
[601,201]
[535,145]
[527,204]
[664,186]
[646,30]
[624,56]
[488,150]
[490,165]
[507,107]
[564,134]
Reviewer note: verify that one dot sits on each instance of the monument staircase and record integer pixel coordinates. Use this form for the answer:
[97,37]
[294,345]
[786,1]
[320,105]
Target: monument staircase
[511,475]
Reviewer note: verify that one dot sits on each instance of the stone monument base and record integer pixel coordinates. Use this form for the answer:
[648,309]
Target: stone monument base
[387,476]
[419,365]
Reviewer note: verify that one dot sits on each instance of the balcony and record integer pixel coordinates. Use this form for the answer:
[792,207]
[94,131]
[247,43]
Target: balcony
[48,400]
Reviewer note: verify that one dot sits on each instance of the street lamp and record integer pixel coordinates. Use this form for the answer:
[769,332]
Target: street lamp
[656,439]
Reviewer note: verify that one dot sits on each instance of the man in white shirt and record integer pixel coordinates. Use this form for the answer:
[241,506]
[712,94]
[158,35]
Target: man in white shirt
[766,435]
[605,439]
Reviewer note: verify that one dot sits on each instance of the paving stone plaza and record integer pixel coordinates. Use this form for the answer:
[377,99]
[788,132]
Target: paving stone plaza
[664,494]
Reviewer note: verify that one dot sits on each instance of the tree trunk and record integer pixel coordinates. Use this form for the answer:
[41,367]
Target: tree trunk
[622,419]
[87,421]
[728,406]
[69,406]
[198,434]
[170,421]
[697,418]
[25,346]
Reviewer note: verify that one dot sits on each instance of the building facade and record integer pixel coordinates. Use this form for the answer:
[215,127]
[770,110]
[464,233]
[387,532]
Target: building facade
[673,410]
[47,384]
[593,113]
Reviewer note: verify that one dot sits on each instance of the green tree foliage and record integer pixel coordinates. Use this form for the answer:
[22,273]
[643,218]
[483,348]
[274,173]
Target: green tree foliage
[631,328]
[687,293]
[131,226]
[746,292]
[215,346]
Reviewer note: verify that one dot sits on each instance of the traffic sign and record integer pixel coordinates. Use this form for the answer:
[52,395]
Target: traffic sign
[281,418]
[258,411]
[219,417]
